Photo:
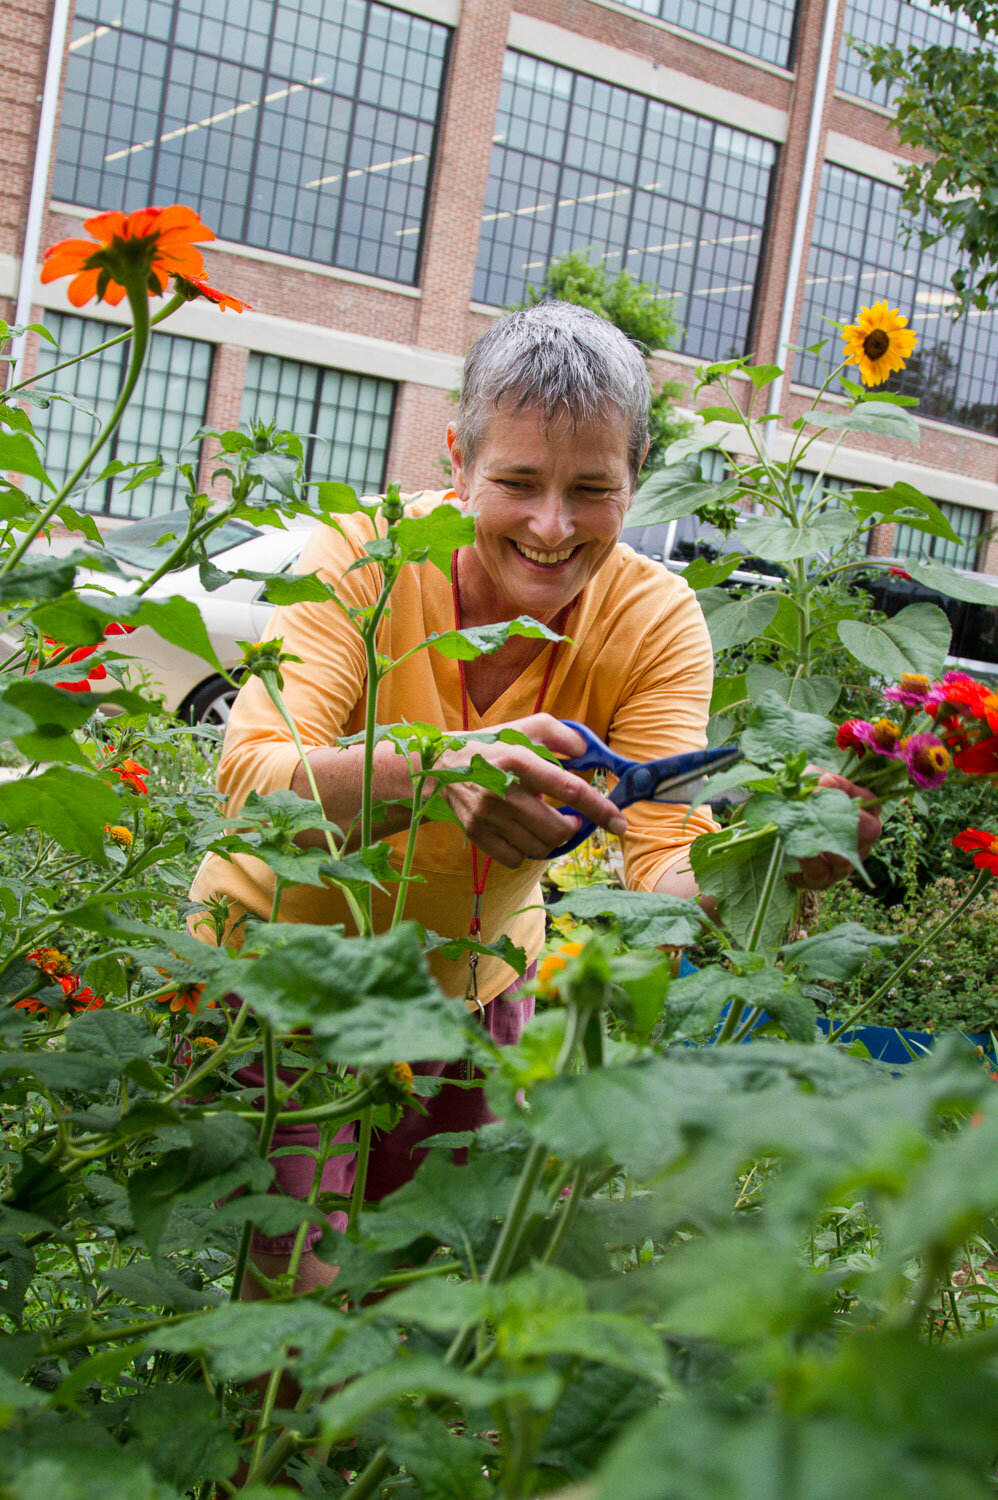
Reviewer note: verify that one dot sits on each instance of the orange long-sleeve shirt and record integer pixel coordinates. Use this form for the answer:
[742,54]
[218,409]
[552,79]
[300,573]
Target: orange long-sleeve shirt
[637,671]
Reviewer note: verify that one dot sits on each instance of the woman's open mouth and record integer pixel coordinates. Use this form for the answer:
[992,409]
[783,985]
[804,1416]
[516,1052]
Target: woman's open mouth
[545,560]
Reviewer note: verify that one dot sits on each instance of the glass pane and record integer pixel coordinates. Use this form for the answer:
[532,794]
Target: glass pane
[346,417]
[167,407]
[856,259]
[763,29]
[894,23]
[579,165]
[303,129]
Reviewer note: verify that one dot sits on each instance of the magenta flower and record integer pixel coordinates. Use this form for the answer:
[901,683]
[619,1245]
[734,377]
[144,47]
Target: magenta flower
[927,759]
[883,737]
[912,690]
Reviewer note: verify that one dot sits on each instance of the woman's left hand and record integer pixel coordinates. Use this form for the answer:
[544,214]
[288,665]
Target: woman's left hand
[823,870]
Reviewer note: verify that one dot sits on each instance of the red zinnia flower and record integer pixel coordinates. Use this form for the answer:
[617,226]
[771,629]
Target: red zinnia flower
[151,245]
[980,759]
[847,735]
[983,846]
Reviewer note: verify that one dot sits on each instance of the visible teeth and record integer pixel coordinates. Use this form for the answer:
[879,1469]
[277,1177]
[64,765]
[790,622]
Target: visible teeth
[547,558]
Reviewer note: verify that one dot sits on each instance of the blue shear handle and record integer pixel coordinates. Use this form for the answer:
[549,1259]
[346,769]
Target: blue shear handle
[595,757]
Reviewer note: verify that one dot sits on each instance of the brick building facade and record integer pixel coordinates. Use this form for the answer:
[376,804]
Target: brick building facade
[471,139]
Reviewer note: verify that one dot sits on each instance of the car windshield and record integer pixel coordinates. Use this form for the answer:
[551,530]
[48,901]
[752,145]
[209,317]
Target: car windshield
[143,544]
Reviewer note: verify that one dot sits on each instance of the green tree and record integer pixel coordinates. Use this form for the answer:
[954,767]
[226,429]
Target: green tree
[944,103]
[639,309]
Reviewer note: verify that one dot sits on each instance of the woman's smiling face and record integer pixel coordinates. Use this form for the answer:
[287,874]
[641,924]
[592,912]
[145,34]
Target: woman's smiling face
[549,501]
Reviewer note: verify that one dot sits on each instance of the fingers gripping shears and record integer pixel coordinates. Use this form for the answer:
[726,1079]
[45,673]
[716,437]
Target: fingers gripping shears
[640,781]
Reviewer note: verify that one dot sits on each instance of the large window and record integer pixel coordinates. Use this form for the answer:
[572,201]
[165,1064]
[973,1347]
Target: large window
[166,409]
[345,420]
[658,191]
[894,23]
[762,29]
[302,126]
[857,259]
[966,521]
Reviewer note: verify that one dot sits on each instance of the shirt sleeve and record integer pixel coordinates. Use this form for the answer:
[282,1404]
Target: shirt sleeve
[322,689]
[662,710]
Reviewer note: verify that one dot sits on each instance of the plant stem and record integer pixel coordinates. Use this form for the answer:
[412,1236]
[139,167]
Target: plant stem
[983,877]
[270,1394]
[360,916]
[736,1007]
[139,302]
[194,533]
[171,307]
[363,1162]
[566,1218]
[272,1104]
[410,849]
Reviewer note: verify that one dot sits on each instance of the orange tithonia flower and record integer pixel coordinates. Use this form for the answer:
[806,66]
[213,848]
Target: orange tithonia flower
[131,774]
[51,961]
[184,997]
[982,845]
[151,245]
[878,342]
[197,286]
[120,835]
[402,1076]
[555,962]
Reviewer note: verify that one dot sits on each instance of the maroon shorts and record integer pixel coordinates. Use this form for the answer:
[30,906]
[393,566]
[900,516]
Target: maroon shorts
[396,1154]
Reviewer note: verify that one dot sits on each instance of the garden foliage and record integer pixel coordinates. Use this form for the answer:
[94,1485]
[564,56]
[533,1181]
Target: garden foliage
[670,1269]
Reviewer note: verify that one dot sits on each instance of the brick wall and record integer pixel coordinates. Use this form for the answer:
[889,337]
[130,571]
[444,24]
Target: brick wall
[440,317]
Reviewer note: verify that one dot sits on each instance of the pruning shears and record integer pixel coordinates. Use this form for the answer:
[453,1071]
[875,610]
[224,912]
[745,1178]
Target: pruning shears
[637,781]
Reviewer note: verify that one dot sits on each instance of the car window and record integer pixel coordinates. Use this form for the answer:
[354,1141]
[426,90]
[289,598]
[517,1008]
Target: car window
[137,544]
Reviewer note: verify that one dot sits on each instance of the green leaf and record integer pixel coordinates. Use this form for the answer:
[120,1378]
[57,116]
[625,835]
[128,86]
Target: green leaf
[763,375]
[366,1000]
[483,640]
[644,918]
[701,574]
[435,537]
[458,948]
[732,622]
[180,1433]
[697,1001]
[815,695]
[337,499]
[71,806]
[279,470]
[916,639]
[718,414]
[784,627]
[826,822]
[149,1285]
[732,866]
[778,731]
[836,955]
[446,1464]
[216,1157]
[600,1403]
[18,455]
[39,578]
[903,502]
[244,1339]
[82,620]
[955,585]
[879,417]
[670,493]
[727,692]
[297,588]
[776,540]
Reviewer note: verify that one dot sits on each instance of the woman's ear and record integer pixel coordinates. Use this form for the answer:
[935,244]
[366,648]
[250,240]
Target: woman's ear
[459,476]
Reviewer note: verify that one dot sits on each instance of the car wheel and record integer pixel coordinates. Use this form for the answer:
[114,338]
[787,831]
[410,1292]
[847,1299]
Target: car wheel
[210,703]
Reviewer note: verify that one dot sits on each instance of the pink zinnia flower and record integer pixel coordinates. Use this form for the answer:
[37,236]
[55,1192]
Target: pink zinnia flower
[912,690]
[883,737]
[927,759]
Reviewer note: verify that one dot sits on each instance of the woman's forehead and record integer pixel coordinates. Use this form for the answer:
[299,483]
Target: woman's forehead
[530,438]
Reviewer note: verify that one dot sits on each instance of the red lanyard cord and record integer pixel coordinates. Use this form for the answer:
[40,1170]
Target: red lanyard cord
[478,880]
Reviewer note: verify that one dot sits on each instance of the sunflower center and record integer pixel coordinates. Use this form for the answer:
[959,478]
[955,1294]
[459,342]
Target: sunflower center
[876,344]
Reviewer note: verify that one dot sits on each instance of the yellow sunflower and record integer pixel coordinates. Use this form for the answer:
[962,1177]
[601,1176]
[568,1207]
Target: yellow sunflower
[878,342]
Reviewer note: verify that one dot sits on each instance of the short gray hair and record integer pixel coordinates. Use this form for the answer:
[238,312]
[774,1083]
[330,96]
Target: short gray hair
[562,358]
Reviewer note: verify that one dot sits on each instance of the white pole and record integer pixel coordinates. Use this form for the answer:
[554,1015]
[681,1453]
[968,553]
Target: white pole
[825,61]
[40,176]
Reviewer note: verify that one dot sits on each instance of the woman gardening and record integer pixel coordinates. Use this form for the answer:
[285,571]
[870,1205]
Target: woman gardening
[550,435]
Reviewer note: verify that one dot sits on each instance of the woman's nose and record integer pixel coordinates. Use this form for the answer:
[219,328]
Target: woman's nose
[552,519]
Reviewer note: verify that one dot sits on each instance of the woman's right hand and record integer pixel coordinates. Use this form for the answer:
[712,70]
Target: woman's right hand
[519,824]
